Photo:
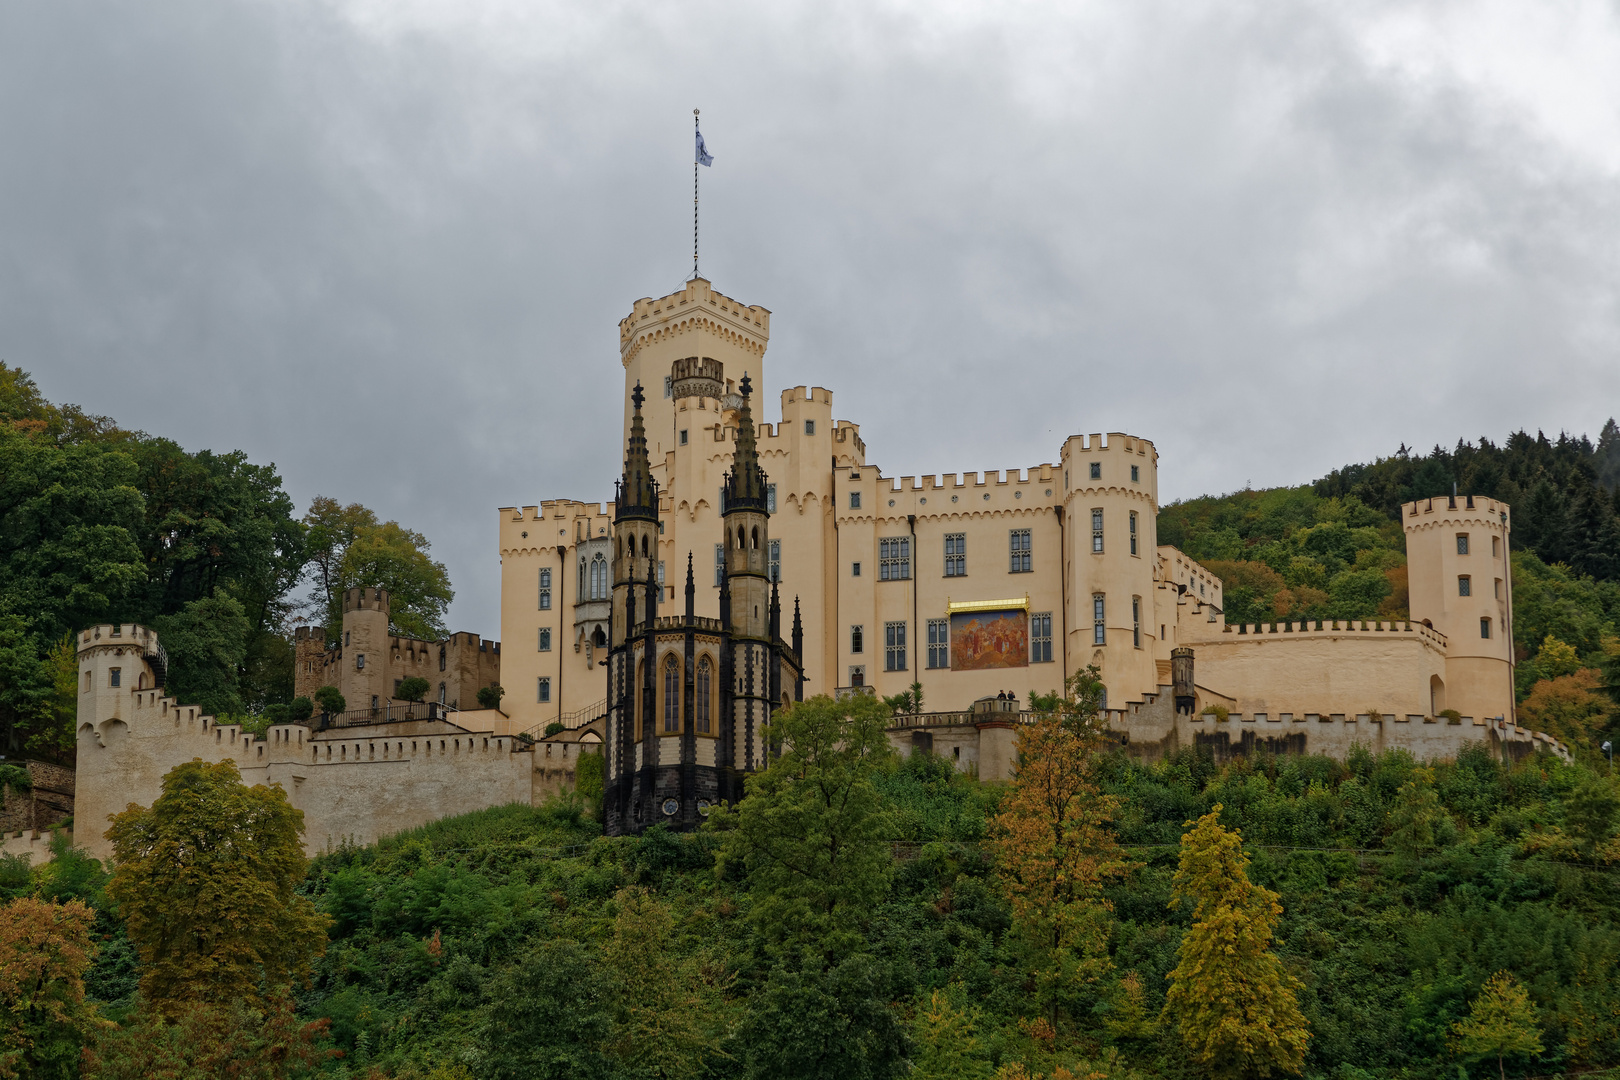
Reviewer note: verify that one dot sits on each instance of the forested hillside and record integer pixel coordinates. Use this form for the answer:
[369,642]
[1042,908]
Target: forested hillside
[863,916]
[99,524]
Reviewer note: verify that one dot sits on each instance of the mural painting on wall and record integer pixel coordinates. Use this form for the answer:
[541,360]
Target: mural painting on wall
[989,639]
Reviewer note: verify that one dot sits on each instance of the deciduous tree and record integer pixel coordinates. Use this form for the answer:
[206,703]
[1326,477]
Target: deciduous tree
[204,1041]
[45,950]
[1052,843]
[205,880]
[207,645]
[1230,999]
[1501,1022]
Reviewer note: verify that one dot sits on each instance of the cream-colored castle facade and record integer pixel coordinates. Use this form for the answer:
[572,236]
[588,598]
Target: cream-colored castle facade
[971,584]
[976,583]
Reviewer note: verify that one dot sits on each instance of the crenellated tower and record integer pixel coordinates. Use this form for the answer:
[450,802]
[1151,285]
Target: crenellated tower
[746,522]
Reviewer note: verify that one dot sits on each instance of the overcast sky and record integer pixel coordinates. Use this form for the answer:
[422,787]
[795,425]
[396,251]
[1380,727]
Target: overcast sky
[386,244]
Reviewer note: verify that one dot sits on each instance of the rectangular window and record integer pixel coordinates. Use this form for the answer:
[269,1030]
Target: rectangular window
[956,554]
[1096,470]
[1133,530]
[855,569]
[1484,628]
[854,500]
[1136,621]
[939,643]
[545,639]
[1099,628]
[776,560]
[1136,474]
[1496,546]
[894,646]
[1499,588]
[1040,638]
[770,498]
[1018,551]
[809,427]
[660,571]
[894,558]
[1096,530]
[545,590]
[669,386]
[1462,543]
[1465,587]
[115,677]
[857,639]
[683,436]
[543,690]
[719,565]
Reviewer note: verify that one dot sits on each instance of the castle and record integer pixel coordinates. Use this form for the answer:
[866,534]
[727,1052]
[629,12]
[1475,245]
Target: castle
[967,584]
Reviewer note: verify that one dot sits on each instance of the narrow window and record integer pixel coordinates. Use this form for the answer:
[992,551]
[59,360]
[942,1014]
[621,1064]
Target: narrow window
[939,643]
[1136,474]
[894,646]
[1499,588]
[1018,551]
[1040,638]
[545,590]
[660,571]
[770,498]
[669,386]
[776,560]
[1136,621]
[683,436]
[1465,587]
[545,639]
[809,427]
[854,500]
[894,558]
[1462,543]
[1484,628]
[543,690]
[1096,530]
[441,657]
[854,569]
[956,554]
[345,639]
[1096,470]
[702,699]
[672,695]
[359,661]
[441,693]
[115,677]
[1099,629]
[719,565]
[1133,528]
[1496,547]
[857,639]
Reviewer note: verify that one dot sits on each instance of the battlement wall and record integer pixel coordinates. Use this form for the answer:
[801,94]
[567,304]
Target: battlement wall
[1112,442]
[1465,510]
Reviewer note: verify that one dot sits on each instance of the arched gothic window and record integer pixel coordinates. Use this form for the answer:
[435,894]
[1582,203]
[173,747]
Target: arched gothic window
[672,695]
[702,700]
[599,578]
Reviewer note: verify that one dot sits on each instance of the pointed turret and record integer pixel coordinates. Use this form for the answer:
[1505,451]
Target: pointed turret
[745,483]
[798,631]
[691,589]
[636,495]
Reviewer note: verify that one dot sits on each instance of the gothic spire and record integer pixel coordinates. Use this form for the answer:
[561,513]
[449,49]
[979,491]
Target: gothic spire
[637,494]
[745,484]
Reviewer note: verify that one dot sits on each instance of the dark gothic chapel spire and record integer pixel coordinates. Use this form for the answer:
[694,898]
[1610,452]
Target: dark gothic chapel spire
[636,494]
[745,483]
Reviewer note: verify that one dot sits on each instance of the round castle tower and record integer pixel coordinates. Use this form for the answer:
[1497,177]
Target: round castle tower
[695,324]
[1110,507]
[1461,585]
[365,648]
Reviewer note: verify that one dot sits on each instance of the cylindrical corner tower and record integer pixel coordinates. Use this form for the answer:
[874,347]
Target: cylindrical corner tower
[1460,583]
[364,679]
[1110,507]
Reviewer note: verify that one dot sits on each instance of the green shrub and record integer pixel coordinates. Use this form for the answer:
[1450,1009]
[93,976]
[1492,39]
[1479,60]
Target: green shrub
[414,688]
[330,700]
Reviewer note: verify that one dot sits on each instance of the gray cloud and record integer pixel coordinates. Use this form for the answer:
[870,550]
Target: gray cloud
[387,246]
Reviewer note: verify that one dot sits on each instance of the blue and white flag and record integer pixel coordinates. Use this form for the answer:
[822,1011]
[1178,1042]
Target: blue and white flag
[703,155]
